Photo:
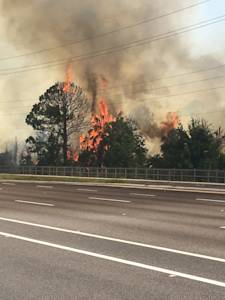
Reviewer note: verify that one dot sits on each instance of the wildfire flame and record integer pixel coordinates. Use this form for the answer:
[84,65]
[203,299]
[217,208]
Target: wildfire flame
[172,122]
[75,156]
[68,154]
[98,122]
[103,83]
[69,79]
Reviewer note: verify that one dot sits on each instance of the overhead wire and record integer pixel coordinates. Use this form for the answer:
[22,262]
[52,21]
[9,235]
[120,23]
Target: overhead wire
[162,97]
[173,76]
[115,49]
[151,90]
[103,34]
[131,45]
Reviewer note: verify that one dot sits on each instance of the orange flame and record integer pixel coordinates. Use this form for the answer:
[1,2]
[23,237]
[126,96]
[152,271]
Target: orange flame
[69,79]
[103,83]
[98,121]
[172,122]
[75,156]
[68,155]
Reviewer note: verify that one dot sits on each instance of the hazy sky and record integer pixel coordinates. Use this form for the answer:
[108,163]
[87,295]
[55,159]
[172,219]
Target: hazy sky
[211,39]
[190,51]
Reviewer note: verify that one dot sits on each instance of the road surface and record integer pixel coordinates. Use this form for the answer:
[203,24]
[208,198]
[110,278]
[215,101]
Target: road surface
[62,241]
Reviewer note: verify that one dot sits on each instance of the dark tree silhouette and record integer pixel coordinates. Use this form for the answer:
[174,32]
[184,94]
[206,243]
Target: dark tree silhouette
[57,116]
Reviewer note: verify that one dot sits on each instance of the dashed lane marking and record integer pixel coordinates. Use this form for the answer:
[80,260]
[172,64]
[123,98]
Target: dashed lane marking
[144,195]
[107,238]
[115,259]
[35,203]
[45,186]
[87,190]
[210,200]
[108,199]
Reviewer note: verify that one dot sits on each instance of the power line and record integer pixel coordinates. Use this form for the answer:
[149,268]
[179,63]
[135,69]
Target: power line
[115,49]
[180,84]
[159,98]
[178,94]
[186,93]
[152,80]
[174,76]
[203,113]
[152,90]
[179,113]
[107,32]
[168,34]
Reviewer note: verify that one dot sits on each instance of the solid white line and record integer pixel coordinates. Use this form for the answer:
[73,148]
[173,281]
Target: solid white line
[144,195]
[108,199]
[35,203]
[210,200]
[182,189]
[223,227]
[116,259]
[102,237]
[45,186]
[87,190]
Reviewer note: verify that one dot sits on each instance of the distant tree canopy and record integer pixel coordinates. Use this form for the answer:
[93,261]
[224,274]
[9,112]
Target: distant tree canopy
[121,146]
[8,157]
[56,117]
[199,147]
[60,113]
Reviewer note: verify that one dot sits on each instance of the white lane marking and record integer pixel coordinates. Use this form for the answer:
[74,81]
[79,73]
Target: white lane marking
[102,237]
[144,195]
[223,227]
[35,203]
[108,199]
[182,189]
[87,190]
[210,200]
[115,259]
[8,183]
[45,186]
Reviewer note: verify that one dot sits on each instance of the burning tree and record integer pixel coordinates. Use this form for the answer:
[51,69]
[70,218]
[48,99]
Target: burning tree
[172,122]
[117,143]
[61,112]
[198,147]
[96,133]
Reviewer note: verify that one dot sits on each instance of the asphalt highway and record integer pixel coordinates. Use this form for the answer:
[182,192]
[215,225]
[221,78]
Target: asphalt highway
[64,241]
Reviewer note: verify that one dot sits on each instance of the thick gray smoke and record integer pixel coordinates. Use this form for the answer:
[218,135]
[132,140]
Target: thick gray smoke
[32,26]
[92,88]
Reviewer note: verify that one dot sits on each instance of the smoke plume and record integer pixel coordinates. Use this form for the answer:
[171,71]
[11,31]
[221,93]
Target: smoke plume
[75,31]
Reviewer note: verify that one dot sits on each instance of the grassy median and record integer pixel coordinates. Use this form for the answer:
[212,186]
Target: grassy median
[63,178]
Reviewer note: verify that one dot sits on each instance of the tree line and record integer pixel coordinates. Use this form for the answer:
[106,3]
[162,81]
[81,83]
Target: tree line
[59,117]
